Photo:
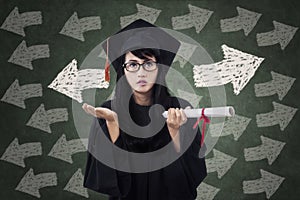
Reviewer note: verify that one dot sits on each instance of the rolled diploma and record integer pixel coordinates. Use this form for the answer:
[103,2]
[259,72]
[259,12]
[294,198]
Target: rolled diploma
[227,111]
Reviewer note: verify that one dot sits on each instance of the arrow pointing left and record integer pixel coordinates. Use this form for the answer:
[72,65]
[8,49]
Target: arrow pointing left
[41,119]
[206,192]
[268,183]
[75,184]
[16,22]
[16,153]
[75,27]
[31,184]
[64,149]
[71,81]
[17,94]
[24,55]
[237,67]
[144,12]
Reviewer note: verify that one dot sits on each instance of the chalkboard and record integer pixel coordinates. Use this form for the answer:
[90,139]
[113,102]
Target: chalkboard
[254,155]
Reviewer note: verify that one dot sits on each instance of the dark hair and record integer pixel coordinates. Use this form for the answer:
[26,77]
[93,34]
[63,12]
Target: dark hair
[123,91]
[160,91]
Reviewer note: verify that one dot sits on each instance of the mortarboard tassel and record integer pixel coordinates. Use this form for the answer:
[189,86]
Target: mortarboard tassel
[107,66]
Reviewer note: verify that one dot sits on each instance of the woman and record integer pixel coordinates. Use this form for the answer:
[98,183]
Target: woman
[141,71]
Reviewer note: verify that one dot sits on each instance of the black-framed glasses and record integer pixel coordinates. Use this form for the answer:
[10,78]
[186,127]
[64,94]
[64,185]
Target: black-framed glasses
[133,66]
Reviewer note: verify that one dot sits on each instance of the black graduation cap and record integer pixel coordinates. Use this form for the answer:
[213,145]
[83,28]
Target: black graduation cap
[139,34]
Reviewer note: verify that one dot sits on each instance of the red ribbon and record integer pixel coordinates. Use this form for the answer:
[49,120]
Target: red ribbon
[205,121]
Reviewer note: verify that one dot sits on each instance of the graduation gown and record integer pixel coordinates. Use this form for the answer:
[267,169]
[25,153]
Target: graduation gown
[177,181]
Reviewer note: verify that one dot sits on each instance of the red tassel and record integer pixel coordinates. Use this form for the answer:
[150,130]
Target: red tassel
[107,71]
[107,66]
[205,121]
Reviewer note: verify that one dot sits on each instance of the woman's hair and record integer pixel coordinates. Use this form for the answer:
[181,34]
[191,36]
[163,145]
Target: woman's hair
[160,91]
[123,92]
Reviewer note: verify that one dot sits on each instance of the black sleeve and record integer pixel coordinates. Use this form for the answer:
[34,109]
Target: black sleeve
[184,175]
[98,176]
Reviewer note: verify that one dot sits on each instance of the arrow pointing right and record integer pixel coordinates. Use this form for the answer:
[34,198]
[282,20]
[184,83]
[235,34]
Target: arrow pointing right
[237,67]
[198,18]
[281,115]
[64,149]
[206,192]
[191,97]
[246,20]
[282,34]
[16,95]
[146,13]
[268,183]
[31,184]
[184,53]
[24,55]
[233,126]
[16,22]
[220,163]
[16,153]
[280,85]
[41,119]
[269,149]
[75,184]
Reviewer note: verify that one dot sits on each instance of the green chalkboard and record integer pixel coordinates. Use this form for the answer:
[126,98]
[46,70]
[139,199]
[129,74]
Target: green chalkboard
[254,155]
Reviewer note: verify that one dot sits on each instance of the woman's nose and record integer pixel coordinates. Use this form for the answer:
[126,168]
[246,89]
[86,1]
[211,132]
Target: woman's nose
[141,72]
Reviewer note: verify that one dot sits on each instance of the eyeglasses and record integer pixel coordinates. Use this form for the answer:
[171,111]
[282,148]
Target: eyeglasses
[132,66]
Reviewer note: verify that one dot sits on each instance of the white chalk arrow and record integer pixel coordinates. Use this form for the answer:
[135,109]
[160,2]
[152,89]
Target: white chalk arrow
[246,21]
[146,13]
[16,94]
[191,97]
[75,27]
[279,85]
[75,184]
[16,153]
[269,149]
[220,163]
[281,34]
[64,149]
[233,126]
[268,183]
[198,18]
[237,67]
[31,184]
[206,192]
[24,55]
[281,115]
[41,119]
[71,81]
[185,52]
[16,22]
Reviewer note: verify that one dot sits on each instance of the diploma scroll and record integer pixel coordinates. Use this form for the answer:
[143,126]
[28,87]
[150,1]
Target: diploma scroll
[227,111]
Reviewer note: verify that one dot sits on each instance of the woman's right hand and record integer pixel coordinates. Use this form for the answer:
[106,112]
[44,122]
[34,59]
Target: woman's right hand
[110,116]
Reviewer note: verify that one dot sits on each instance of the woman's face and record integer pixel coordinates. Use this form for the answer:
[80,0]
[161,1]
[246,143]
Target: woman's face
[141,81]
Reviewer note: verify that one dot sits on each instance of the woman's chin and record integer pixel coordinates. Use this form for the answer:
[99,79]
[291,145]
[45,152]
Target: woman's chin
[142,89]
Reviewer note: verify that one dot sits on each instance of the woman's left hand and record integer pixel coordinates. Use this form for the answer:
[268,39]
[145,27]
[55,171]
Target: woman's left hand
[176,118]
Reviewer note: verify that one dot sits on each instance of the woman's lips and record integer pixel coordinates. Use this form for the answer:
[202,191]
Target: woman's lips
[142,82]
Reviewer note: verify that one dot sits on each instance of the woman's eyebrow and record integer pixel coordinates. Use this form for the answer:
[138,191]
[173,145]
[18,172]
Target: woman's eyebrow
[145,60]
